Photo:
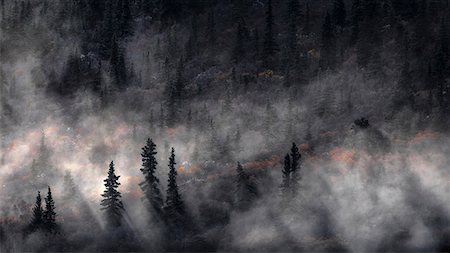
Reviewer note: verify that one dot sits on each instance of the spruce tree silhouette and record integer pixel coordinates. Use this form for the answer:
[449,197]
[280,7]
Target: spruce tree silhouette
[49,215]
[150,185]
[112,203]
[246,191]
[175,211]
[37,219]
[285,185]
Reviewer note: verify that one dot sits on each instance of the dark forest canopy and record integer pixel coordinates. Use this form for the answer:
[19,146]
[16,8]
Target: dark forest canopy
[402,44]
[234,125]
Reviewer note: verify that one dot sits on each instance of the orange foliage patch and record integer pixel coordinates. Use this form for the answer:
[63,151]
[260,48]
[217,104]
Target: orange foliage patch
[304,147]
[424,136]
[186,169]
[342,155]
[272,162]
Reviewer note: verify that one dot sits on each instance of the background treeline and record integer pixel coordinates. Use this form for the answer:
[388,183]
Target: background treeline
[184,53]
[226,81]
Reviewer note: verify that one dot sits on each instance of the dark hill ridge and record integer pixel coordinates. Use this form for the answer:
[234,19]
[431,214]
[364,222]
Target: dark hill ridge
[297,125]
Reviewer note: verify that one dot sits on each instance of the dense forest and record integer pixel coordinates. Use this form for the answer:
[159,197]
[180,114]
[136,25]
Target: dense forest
[224,125]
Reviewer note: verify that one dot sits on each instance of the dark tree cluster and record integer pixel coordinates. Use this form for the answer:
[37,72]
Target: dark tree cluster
[170,215]
[295,41]
[43,219]
[291,172]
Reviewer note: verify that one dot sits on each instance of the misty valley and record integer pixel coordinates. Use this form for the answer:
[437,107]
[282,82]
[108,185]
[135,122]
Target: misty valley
[224,126]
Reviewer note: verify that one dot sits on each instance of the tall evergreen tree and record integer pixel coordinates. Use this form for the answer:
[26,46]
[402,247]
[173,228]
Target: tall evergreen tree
[246,191]
[285,185]
[174,209]
[37,220]
[70,189]
[295,168]
[111,203]
[173,199]
[270,46]
[49,215]
[41,164]
[150,185]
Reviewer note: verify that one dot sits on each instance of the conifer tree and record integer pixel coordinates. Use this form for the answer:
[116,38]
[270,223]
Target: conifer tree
[111,203]
[37,220]
[174,202]
[246,191]
[150,185]
[49,215]
[285,185]
[40,165]
[70,189]
[295,168]
[174,209]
